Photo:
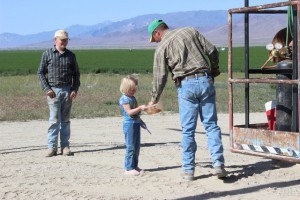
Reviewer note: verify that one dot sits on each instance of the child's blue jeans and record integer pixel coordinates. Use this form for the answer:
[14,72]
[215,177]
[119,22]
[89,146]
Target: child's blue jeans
[132,132]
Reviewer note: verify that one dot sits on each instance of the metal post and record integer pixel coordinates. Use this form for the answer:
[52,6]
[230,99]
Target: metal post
[297,56]
[230,89]
[295,124]
[247,65]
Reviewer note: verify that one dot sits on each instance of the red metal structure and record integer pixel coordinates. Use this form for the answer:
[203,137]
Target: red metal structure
[257,139]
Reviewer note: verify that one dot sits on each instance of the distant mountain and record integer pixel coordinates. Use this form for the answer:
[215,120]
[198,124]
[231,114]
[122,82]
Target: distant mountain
[262,29]
[132,33]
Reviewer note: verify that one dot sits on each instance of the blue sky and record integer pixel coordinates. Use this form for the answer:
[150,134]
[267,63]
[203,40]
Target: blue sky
[34,16]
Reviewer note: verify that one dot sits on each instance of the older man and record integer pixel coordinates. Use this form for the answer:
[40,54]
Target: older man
[59,76]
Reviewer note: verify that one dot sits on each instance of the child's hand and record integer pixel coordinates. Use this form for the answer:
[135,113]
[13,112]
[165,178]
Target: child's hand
[143,107]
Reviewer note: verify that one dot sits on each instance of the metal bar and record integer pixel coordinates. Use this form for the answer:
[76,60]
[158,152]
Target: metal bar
[296,47]
[271,156]
[271,71]
[256,8]
[265,12]
[295,124]
[246,22]
[230,88]
[263,80]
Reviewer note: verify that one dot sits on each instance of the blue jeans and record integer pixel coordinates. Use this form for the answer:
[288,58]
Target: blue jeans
[59,121]
[197,96]
[132,132]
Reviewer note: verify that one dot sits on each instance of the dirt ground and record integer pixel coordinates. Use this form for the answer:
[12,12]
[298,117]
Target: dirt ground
[95,171]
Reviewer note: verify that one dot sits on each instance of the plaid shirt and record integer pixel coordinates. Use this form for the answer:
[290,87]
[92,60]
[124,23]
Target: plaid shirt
[59,70]
[181,51]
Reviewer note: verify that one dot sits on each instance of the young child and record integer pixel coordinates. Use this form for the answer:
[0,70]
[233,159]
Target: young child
[131,124]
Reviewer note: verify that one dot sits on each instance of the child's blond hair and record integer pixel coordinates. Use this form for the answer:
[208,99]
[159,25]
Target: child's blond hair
[127,83]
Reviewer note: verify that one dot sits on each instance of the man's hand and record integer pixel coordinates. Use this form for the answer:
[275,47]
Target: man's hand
[73,95]
[151,103]
[50,93]
[154,108]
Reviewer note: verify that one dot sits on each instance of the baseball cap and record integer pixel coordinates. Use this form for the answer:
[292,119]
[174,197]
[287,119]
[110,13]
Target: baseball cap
[152,26]
[61,34]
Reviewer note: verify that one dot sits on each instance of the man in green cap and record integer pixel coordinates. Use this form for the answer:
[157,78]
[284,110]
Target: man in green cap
[185,53]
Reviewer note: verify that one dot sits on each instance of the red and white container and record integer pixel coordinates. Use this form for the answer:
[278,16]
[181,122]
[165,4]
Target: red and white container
[271,114]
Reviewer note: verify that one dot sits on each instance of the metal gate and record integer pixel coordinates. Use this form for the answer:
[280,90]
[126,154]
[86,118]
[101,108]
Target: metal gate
[258,139]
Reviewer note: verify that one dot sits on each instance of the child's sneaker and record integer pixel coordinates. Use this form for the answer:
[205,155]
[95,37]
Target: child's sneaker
[132,172]
[141,171]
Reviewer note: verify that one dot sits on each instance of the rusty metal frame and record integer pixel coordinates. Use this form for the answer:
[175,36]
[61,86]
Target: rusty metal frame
[258,134]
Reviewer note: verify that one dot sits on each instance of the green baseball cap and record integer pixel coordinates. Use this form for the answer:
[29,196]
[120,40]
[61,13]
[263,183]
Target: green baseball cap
[152,26]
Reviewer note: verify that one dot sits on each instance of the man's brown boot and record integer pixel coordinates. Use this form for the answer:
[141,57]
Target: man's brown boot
[66,151]
[51,152]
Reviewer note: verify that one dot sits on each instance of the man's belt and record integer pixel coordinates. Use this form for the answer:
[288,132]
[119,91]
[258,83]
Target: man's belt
[59,84]
[190,76]
[196,75]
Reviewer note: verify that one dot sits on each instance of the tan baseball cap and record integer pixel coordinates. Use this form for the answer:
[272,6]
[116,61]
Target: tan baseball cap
[61,34]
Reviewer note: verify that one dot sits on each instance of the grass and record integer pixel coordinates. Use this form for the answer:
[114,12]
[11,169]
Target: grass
[22,98]
[90,61]
[121,61]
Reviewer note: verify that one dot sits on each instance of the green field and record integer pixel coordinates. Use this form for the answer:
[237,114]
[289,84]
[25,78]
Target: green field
[120,61]
[22,99]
